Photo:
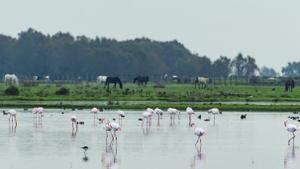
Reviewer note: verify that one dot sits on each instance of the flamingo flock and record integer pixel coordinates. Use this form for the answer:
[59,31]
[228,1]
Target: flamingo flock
[112,127]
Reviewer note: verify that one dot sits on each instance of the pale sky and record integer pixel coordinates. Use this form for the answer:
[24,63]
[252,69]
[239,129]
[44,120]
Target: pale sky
[268,30]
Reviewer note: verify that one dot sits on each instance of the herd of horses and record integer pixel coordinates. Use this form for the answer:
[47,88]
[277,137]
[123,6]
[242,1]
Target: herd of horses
[199,82]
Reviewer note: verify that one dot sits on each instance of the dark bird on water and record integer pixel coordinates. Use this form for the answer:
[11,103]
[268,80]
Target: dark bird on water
[4,112]
[80,122]
[85,148]
[199,117]
[206,119]
[243,116]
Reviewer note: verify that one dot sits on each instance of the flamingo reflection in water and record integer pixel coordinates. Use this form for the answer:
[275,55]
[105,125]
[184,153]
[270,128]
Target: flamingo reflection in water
[109,159]
[291,157]
[197,159]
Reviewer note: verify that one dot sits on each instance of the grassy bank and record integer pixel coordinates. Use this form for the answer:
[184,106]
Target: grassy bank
[181,106]
[170,92]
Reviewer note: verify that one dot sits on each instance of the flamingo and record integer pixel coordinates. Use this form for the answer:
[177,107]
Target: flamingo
[292,129]
[121,115]
[115,127]
[13,116]
[159,113]
[74,122]
[146,117]
[214,111]
[38,111]
[173,113]
[94,110]
[106,126]
[199,132]
[190,112]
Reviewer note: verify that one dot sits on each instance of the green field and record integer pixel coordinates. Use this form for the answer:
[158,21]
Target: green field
[170,92]
[137,97]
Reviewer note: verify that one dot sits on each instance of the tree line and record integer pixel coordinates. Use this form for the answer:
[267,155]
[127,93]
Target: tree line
[35,53]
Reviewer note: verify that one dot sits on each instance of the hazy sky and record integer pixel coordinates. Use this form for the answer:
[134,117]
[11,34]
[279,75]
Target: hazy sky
[268,30]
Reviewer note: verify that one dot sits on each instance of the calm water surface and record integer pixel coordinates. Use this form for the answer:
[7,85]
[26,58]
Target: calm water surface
[260,142]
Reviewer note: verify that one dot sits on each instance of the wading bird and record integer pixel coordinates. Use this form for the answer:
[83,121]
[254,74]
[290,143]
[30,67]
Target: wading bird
[74,124]
[159,114]
[198,132]
[214,111]
[94,110]
[13,117]
[190,112]
[292,129]
[121,115]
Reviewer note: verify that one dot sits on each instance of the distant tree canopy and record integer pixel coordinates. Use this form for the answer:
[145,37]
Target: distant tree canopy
[267,72]
[34,53]
[244,66]
[292,69]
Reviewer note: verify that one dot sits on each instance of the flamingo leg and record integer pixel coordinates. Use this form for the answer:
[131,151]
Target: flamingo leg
[292,138]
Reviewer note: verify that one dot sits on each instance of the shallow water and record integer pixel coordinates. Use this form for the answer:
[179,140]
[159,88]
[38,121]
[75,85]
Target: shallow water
[259,142]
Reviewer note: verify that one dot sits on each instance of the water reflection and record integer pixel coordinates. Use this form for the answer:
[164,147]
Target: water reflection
[196,160]
[291,157]
[109,158]
[12,130]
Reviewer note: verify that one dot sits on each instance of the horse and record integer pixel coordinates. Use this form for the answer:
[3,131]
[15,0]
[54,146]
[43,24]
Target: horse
[101,79]
[113,80]
[11,79]
[176,79]
[141,80]
[203,81]
[289,85]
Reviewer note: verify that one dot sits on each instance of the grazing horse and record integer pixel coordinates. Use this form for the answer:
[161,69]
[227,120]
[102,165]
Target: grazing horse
[203,81]
[101,79]
[11,79]
[113,80]
[141,80]
[289,85]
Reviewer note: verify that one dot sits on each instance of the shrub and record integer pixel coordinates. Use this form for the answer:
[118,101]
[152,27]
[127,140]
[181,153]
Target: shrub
[63,91]
[12,90]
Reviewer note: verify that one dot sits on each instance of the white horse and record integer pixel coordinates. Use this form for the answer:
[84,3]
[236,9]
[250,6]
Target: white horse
[35,78]
[203,81]
[11,79]
[101,79]
[47,78]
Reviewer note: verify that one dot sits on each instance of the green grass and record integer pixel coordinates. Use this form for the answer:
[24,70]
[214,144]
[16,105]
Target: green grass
[171,92]
[180,93]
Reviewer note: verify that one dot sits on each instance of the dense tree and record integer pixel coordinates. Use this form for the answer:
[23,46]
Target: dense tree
[267,72]
[221,67]
[250,67]
[63,56]
[292,69]
[238,65]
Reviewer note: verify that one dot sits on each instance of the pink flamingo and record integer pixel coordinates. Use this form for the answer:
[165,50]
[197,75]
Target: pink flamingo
[106,126]
[292,129]
[115,127]
[146,117]
[74,123]
[198,132]
[214,111]
[94,110]
[13,117]
[173,113]
[190,112]
[159,113]
[38,111]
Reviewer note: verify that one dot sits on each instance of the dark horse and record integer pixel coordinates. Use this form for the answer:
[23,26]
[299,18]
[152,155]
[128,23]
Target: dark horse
[141,80]
[289,85]
[114,80]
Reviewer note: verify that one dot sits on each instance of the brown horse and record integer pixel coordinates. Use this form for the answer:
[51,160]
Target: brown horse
[289,85]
